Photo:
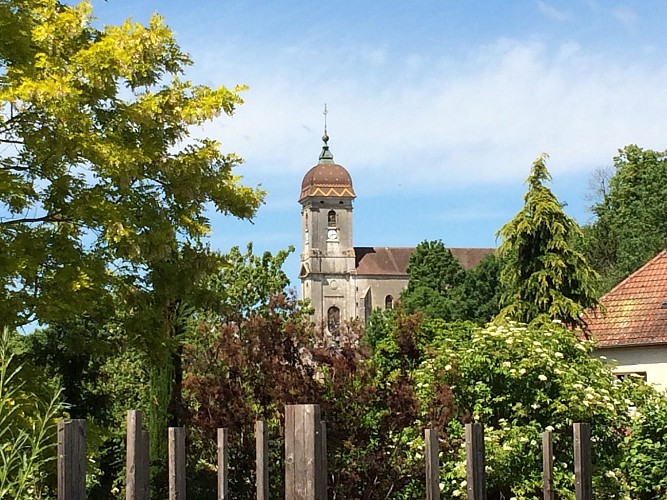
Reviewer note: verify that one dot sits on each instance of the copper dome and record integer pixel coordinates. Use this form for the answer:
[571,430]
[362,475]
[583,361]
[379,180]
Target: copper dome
[327,178]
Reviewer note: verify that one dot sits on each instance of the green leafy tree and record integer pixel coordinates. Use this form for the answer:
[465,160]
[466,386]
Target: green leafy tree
[544,276]
[630,207]
[439,287]
[103,184]
[246,282]
[104,191]
[481,290]
[434,280]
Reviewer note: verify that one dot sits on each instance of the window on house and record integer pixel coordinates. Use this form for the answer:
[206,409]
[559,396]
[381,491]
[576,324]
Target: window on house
[622,375]
[389,302]
[332,218]
[333,319]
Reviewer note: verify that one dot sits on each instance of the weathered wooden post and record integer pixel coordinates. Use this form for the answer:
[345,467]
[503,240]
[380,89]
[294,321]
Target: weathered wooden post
[262,459]
[548,465]
[176,450]
[137,460]
[71,460]
[583,477]
[475,461]
[223,464]
[322,493]
[303,453]
[432,464]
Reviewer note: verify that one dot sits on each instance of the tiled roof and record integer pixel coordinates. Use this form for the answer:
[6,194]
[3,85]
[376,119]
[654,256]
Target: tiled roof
[635,311]
[327,179]
[388,261]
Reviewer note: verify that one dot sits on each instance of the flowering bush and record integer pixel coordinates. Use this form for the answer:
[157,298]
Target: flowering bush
[519,381]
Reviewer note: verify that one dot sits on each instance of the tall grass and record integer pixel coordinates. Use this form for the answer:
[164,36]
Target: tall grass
[27,429]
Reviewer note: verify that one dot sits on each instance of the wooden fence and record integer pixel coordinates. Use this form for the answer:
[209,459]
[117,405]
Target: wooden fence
[305,459]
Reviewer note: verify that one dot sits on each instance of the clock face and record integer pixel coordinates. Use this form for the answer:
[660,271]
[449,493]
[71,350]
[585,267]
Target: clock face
[332,234]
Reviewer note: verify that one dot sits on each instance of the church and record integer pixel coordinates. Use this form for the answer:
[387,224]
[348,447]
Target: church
[343,282]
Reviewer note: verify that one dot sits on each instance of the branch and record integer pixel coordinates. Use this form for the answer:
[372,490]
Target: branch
[14,167]
[30,220]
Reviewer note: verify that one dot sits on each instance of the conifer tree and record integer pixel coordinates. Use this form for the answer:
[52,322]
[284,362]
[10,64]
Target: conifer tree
[544,276]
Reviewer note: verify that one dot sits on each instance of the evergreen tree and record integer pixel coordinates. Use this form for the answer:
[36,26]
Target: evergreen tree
[544,277]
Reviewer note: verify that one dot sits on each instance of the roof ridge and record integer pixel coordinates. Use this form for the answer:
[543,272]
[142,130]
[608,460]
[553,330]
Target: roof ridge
[661,253]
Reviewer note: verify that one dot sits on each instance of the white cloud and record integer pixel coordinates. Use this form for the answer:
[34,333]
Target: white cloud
[404,120]
[552,12]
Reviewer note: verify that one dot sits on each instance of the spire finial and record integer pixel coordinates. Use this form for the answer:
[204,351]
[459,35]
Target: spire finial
[325,156]
[325,137]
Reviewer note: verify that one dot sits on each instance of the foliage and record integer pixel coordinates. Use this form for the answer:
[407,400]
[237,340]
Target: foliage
[238,373]
[520,381]
[481,290]
[630,227]
[439,287]
[246,282]
[102,375]
[104,190]
[105,182]
[644,458]
[544,277]
[29,406]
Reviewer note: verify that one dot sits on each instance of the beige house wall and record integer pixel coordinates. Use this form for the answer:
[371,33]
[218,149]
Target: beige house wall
[649,359]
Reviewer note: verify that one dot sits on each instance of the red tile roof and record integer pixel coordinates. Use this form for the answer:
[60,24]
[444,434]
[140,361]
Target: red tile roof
[635,310]
[376,261]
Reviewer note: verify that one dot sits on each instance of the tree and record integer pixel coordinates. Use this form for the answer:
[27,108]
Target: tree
[104,192]
[246,282]
[103,188]
[434,279]
[439,287]
[481,290]
[544,276]
[630,207]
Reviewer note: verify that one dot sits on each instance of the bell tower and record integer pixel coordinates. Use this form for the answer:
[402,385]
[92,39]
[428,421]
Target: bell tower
[327,259]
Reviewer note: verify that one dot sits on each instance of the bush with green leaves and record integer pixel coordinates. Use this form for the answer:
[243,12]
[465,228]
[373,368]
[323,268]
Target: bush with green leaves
[519,381]
[29,406]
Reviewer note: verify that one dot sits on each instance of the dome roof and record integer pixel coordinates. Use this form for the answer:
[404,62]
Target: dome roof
[327,178]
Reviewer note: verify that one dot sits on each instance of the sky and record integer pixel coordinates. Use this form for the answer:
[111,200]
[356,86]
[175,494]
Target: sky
[437,108]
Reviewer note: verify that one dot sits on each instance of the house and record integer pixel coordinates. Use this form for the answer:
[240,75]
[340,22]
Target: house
[631,328]
[341,281]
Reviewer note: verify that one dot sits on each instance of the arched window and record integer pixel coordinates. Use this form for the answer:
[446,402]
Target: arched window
[331,218]
[389,302]
[333,319]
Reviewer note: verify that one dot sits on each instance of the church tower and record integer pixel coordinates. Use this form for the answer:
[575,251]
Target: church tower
[328,259]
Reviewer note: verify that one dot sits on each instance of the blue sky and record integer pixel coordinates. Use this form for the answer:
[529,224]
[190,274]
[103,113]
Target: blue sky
[436,108]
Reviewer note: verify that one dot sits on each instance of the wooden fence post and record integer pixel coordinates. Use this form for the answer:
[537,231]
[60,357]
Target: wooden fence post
[176,447]
[302,452]
[583,481]
[548,465]
[431,453]
[322,494]
[137,460]
[262,459]
[223,463]
[475,462]
[71,460]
